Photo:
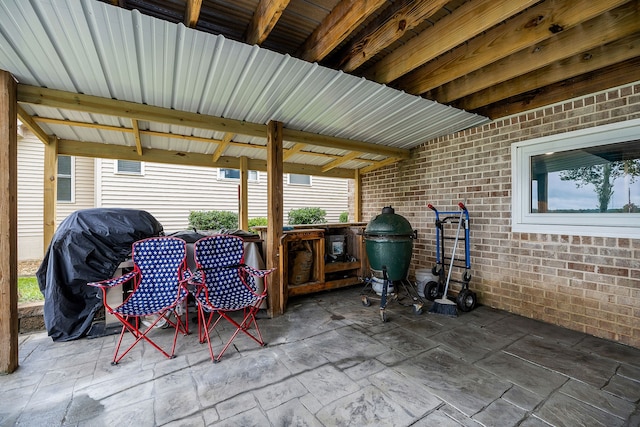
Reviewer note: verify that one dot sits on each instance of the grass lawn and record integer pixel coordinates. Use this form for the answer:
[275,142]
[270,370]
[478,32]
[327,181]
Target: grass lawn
[28,290]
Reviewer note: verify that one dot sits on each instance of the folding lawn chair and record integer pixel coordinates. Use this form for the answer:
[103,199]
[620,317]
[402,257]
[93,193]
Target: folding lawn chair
[159,275]
[223,284]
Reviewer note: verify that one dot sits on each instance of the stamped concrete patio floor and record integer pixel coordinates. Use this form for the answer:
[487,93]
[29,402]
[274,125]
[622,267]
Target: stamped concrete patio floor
[331,361]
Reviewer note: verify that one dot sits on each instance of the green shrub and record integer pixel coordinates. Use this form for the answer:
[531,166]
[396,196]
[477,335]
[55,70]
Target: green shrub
[213,220]
[307,216]
[257,222]
[344,217]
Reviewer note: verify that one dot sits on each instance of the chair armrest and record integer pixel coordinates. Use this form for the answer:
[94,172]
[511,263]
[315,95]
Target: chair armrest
[116,281]
[255,272]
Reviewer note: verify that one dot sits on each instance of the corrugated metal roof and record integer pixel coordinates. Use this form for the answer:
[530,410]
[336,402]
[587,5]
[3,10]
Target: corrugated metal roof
[97,49]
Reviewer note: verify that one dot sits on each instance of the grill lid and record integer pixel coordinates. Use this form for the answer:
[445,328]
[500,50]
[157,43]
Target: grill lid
[388,223]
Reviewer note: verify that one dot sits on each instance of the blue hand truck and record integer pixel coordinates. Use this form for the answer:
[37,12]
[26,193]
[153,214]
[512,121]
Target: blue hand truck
[445,221]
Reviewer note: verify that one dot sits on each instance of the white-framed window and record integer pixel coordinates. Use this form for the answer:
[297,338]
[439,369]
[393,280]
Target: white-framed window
[129,167]
[585,182]
[297,179]
[235,174]
[65,183]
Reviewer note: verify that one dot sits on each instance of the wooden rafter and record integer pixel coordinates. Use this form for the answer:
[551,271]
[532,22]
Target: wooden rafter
[378,165]
[603,29]
[398,19]
[293,150]
[32,125]
[94,104]
[342,160]
[296,148]
[222,146]
[531,27]
[449,32]
[123,152]
[264,19]
[136,135]
[592,60]
[584,84]
[192,13]
[343,19]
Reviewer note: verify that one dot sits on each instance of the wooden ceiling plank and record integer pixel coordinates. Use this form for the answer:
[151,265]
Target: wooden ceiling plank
[136,134]
[342,160]
[595,59]
[399,20]
[452,30]
[618,23]
[32,125]
[94,104]
[531,27]
[343,19]
[265,17]
[123,152]
[584,84]
[192,13]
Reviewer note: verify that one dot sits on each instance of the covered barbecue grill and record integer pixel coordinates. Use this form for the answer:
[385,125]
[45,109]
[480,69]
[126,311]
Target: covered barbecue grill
[389,244]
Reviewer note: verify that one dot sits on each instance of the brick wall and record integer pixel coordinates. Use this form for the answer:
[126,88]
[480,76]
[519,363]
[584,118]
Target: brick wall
[589,284]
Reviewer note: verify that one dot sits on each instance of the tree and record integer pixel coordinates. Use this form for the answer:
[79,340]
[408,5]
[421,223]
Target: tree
[602,177]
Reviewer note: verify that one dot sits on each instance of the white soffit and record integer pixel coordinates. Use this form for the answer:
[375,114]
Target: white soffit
[89,47]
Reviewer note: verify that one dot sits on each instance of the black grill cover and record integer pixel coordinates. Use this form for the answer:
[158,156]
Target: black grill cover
[87,247]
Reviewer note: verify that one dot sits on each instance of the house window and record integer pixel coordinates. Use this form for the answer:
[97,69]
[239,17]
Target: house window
[129,167]
[585,182]
[65,179]
[298,179]
[235,174]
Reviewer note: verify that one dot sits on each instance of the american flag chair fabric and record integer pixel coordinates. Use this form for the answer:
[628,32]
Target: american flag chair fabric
[159,286]
[222,284]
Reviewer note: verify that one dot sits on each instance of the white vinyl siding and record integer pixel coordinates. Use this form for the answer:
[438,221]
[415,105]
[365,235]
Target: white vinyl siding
[167,192]
[30,195]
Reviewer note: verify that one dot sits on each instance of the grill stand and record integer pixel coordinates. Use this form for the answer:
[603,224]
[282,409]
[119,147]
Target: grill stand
[407,287]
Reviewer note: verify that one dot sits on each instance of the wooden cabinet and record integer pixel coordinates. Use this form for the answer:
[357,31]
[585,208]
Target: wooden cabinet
[337,253]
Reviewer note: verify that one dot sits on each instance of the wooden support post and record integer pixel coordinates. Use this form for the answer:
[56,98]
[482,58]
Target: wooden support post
[357,196]
[50,188]
[243,205]
[8,223]
[274,209]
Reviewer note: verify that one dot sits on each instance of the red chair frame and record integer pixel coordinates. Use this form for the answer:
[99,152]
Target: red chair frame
[223,284]
[159,276]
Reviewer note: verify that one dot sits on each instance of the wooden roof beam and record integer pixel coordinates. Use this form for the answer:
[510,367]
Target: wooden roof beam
[95,104]
[584,62]
[619,23]
[265,17]
[123,152]
[533,26]
[399,18]
[452,30]
[584,84]
[343,19]
[63,122]
[192,13]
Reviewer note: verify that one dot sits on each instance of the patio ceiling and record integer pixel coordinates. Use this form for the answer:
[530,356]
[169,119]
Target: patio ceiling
[186,81]
[108,82]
